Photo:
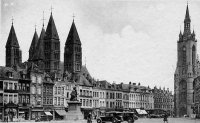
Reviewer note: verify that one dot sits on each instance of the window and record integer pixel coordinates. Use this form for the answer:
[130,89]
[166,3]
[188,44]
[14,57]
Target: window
[67,94]
[63,90]
[28,99]
[10,86]
[23,87]
[44,100]
[5,98]
[56,90]
[27,87]
[15,86]
[62,101]
[55,100]
[39,79]
[20,99]
[33,90]
[10,98]
[39,90]
[58,100]
[19,86]
[47,100]
[33,78]
[59,90]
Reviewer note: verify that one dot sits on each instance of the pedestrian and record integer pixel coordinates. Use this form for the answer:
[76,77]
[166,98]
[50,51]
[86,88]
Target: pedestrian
[165,118]
[89,118]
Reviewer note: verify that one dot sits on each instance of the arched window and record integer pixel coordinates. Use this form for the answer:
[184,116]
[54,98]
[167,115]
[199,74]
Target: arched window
[193,54]
[184,55]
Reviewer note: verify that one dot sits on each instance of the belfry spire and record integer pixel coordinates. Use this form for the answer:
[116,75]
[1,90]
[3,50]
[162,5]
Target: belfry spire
[187,22]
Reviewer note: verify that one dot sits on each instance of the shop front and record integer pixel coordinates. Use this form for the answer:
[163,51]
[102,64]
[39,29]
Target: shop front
[10,112]
[36,113]
[24,113]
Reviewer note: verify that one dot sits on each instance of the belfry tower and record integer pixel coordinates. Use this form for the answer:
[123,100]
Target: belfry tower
[73,52]
[13,52]
[185,70]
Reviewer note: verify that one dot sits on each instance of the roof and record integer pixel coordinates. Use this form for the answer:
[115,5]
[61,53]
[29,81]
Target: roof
[73,37]
[51,31]
[83,81]
[12,38]
[5,70]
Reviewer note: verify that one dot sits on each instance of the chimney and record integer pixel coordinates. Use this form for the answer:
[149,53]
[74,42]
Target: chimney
[129,83]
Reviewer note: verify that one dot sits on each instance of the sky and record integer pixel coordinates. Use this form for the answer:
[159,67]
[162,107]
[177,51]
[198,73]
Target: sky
[122,40]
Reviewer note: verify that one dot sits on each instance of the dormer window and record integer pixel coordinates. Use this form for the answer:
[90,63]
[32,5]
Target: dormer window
[9,74]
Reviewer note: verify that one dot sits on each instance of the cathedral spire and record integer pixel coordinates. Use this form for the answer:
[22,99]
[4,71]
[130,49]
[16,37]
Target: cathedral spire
[39,53]
[34,42]
[73,37]
[12,38]
[51,31]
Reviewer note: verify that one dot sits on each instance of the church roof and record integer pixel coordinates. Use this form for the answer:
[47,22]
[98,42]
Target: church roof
[73,37]
[39,53]
[51,31]
[12,38]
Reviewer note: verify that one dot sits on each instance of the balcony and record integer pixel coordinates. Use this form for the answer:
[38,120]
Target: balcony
[85,96]
[10,91]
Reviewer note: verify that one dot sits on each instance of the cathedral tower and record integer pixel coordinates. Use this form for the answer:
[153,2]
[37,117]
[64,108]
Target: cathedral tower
[73,52]
[185,70]
[13,52]
[51,47]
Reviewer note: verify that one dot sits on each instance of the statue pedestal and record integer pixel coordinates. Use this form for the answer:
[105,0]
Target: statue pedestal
[74,111]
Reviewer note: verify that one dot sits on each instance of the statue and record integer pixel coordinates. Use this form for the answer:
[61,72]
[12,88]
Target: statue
[73,95]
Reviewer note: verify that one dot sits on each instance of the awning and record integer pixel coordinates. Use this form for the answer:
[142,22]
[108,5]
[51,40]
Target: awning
[21,112]
[141,111]
[47,113]
[144,112]
[61,112]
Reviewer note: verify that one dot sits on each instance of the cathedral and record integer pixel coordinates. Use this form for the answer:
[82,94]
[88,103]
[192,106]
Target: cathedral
[45,51]
[186,70]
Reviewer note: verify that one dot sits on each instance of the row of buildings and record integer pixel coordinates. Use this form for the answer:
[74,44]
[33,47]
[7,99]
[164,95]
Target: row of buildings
[42,85]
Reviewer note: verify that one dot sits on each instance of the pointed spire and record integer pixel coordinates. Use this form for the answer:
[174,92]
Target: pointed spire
[12,38]
[187,15]
[34,42]
[73,36]
[51,31]
[39,53]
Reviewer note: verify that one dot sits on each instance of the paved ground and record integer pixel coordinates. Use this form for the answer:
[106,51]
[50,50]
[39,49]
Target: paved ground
[140,120]
[170,120]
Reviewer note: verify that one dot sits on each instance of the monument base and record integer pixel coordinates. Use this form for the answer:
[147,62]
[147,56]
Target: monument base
[74,111]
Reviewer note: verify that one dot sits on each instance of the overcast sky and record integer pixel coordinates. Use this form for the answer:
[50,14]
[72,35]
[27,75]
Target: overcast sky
[122,40]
